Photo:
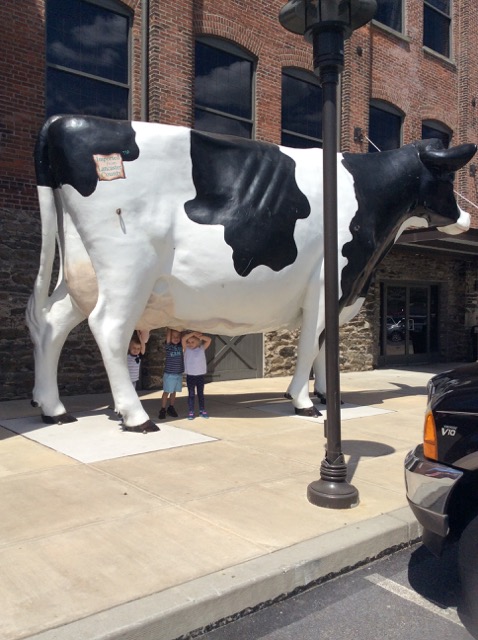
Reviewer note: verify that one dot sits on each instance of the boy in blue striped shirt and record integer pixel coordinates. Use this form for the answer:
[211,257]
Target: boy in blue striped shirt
[173,373]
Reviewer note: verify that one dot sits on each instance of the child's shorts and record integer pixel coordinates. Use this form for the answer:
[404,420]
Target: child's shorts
[172,382]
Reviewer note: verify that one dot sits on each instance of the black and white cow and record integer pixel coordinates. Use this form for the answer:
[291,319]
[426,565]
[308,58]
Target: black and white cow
[164,226]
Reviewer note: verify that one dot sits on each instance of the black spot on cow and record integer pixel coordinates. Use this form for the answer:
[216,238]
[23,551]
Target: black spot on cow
[386,184]
[248,187]
[390,187]
[66,145]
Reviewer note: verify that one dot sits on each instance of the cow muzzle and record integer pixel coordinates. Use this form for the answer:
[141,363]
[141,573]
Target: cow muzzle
[461,225]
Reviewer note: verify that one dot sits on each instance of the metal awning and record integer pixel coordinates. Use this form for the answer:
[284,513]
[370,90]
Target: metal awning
[434,240]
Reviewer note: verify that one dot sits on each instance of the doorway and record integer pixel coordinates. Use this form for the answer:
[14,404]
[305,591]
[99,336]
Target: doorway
[409,323]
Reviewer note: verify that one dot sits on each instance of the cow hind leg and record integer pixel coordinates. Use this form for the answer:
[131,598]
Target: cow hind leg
[49,326]
[112,325]
[319,376]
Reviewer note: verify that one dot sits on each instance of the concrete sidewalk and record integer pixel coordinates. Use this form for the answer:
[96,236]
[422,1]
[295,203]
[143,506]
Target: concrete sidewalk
[158,544]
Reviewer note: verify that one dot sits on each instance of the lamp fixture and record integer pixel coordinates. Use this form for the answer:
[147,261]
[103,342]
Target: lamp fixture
[358,135]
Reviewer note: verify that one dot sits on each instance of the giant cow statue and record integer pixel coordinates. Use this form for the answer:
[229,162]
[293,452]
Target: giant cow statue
[160,226]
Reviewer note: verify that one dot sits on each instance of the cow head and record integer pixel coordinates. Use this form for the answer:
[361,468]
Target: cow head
[436,201]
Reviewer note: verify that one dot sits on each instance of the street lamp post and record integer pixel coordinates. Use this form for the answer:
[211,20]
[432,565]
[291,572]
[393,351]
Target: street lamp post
[327,24]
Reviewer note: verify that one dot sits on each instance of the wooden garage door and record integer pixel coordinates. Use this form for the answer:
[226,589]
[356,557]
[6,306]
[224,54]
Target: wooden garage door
[235,358]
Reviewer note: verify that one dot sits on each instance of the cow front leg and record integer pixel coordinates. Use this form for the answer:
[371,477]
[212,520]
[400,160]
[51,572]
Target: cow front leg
[307,349]
[49,327]
[320,381]
[112,337]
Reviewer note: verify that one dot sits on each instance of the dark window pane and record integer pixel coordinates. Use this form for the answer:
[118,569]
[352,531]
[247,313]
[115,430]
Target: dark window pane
[85,38]
[442,5]
[289,140]
[223,81]
[301,110]
[215,123]
[68,93]
[431,132]
[88,38]
[384,130]
[436,31]
[389,12]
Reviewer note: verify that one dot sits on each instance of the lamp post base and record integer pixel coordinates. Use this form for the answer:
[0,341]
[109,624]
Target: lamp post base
[332,495]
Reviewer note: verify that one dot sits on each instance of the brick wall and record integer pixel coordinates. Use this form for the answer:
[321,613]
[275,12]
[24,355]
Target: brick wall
[22,68]
[379,65]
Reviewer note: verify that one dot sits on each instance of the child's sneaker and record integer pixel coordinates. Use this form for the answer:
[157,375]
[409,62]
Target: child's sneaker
[162,413]
[203,414]
[191,415]
[172,411]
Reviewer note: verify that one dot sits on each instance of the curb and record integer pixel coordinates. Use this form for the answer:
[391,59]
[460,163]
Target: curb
[179,611]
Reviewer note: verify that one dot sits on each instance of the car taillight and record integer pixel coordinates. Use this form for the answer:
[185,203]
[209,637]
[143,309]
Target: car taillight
[430,446]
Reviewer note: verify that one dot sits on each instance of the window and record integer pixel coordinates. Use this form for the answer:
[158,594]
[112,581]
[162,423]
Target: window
[223,89]
[436,130]
[390,12]
[436,26]
[87,58]
[301,109]
[385,127]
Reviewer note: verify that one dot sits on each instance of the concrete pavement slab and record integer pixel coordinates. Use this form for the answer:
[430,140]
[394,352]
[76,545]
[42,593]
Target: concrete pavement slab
[183,475]
[97,435]
[174,612]
[156,544]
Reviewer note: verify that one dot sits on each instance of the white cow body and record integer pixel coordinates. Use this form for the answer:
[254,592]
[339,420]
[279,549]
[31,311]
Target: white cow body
[197,265]
[133,258]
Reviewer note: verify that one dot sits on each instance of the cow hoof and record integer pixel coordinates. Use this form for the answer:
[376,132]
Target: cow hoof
[61,419]
[320,396]
[146,427]
[288,396]
[308,412]
[33,403]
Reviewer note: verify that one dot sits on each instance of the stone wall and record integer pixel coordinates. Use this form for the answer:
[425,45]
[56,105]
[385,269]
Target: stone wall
[359,348]
[280,352]
[453,275]
[80,369]
[18,266]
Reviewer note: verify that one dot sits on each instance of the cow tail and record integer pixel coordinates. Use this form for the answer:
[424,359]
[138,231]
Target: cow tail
[39,300]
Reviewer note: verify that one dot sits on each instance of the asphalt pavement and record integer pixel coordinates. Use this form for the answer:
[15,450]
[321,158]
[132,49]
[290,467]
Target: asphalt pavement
[106,534]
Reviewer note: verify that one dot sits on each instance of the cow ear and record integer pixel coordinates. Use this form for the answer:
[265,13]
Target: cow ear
[448,159]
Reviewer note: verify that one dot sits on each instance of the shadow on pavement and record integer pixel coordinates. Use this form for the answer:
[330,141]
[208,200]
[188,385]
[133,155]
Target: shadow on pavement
[358,449]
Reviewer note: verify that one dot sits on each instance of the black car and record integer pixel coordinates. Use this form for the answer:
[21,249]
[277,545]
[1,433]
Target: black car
[441,474]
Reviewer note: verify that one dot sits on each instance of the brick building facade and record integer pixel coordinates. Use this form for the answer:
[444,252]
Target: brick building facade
[384,66]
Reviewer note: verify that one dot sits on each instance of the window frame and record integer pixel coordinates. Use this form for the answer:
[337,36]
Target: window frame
[402,20]
[431,7]
[228,46]
[115,6]
[439,127]
[386,107]
[308,77]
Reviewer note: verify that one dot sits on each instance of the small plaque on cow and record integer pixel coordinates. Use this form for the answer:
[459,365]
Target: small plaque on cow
[109,167]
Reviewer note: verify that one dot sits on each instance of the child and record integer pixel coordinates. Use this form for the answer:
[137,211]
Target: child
[173,373]
[195,345]
[136,349]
